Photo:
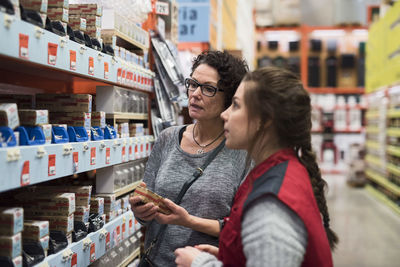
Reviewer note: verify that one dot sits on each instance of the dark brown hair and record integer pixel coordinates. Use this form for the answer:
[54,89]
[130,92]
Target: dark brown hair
[278,95]
[231,71]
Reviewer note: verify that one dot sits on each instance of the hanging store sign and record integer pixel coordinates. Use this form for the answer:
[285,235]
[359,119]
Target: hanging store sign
[194,21]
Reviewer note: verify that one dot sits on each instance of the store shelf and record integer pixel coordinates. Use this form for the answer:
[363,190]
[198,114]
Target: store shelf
[371,115]
[373,145]
[382,197]
[27,165]
[393,132]
[112,234]
[393,169]
[273,28]
[130,258]
[127,189]
[382,181]
[393,150]
[393,113]
[37,60]
[374,160]
[117,33]
[126,116]
[334,90]
[372,130]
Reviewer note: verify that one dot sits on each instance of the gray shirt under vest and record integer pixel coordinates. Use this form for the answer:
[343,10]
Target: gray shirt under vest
[211,196]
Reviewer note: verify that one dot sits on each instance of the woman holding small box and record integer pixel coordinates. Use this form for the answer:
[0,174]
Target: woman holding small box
[180,150]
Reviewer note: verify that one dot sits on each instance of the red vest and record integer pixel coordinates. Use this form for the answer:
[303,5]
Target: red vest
[284,176]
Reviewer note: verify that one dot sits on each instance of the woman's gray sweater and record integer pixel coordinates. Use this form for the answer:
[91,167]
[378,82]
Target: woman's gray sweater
[211,196]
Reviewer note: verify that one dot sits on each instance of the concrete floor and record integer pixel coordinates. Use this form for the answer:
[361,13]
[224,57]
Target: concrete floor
[369,231]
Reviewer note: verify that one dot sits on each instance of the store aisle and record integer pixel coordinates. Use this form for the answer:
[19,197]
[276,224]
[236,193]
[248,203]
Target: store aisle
[369,232]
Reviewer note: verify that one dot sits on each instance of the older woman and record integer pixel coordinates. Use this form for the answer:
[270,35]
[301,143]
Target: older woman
[180,150]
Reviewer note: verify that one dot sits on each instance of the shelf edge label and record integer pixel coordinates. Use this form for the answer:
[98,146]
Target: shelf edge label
[24,46]
[52,53]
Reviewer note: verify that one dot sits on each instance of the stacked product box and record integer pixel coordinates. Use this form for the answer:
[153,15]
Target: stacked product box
[37,232]
[9,115]
[31,117]
[91,13]
[82,198]
[57,208]
[97,205]
[125,203]
[58,10]
[36,5]
[70,109]
[11,226]
[109,206]
[22,101]
[99,119]
[136,129]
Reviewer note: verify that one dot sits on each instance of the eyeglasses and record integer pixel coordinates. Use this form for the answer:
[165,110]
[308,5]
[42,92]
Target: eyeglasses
[206,89]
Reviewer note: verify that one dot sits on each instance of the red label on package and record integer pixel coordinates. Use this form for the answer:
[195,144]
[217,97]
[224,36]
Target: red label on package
[52,165]
[107,241]
[108,153]
[123,153]
[74,260]
[147,147]
[141,148]
[123,230]
[123,76]
[52,54]
[91,66]
[92,252]
[105,70]
[119,73]
[136,151]
[75,160]
[72,59]
[93,156]
[130,225]
[23,46]
[118,233]
[25,176]
[130,153]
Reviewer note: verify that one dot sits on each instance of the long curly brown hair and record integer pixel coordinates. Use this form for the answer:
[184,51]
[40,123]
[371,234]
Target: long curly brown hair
[278,95]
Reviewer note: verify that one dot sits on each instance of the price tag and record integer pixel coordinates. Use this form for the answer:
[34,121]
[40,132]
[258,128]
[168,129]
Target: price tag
[108,153]
[92,252]
[123,153]
[93,156]
[75,160]
[162,8]
[52,54]
[23,46]
[141,149]
[105,70]
[130,153]
[147,148]
[130,226]
[123,76]
[119,73]
[25,176]
[123,230]
[91,66]
[52,165]
[72,59]
[118,233]
[74,260]
[107,241]
[137,151]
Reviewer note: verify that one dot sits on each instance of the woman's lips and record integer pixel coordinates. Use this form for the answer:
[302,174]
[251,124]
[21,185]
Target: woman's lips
[193,106]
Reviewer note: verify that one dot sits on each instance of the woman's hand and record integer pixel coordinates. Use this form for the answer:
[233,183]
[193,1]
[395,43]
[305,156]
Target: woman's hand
[185,256]
[179,215]
[145,212]
[209,249]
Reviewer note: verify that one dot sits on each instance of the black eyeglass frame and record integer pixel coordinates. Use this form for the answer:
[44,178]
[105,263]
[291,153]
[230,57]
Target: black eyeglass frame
[202,87]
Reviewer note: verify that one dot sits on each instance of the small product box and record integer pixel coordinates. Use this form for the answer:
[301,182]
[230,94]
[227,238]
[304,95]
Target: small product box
[58,3]
[109,201]
[36,5]
[44,242]
[9,115]
[77,119]
[35,230]
[60,223]
[17,261]
[125,203]
[82,213]
[11,221]
[65,102]
[22,101]
[47,132]
[31,117]
[11,246]
[99,119]
[97,205]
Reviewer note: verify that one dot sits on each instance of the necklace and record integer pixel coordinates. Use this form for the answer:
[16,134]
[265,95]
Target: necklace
[201,149]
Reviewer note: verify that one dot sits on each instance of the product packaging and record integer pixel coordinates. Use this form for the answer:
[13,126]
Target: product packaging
[11,221]
[31,117]
[11,246]
[35,230]
[9,115]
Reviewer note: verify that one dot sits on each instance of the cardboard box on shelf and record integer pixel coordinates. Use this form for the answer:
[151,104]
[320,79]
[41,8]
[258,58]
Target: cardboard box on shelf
[86,9]
[58,3]
[82,213]
[36,5]
[82,193]
[9,115]
[31,117]
[35,230]
[11,246]
[63,201]
[47,132]
[17,261]
[97,205]
[11,221]
[64,224]
[56,13]
[78,119]
[65,102]
[99,119]
[22,101]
